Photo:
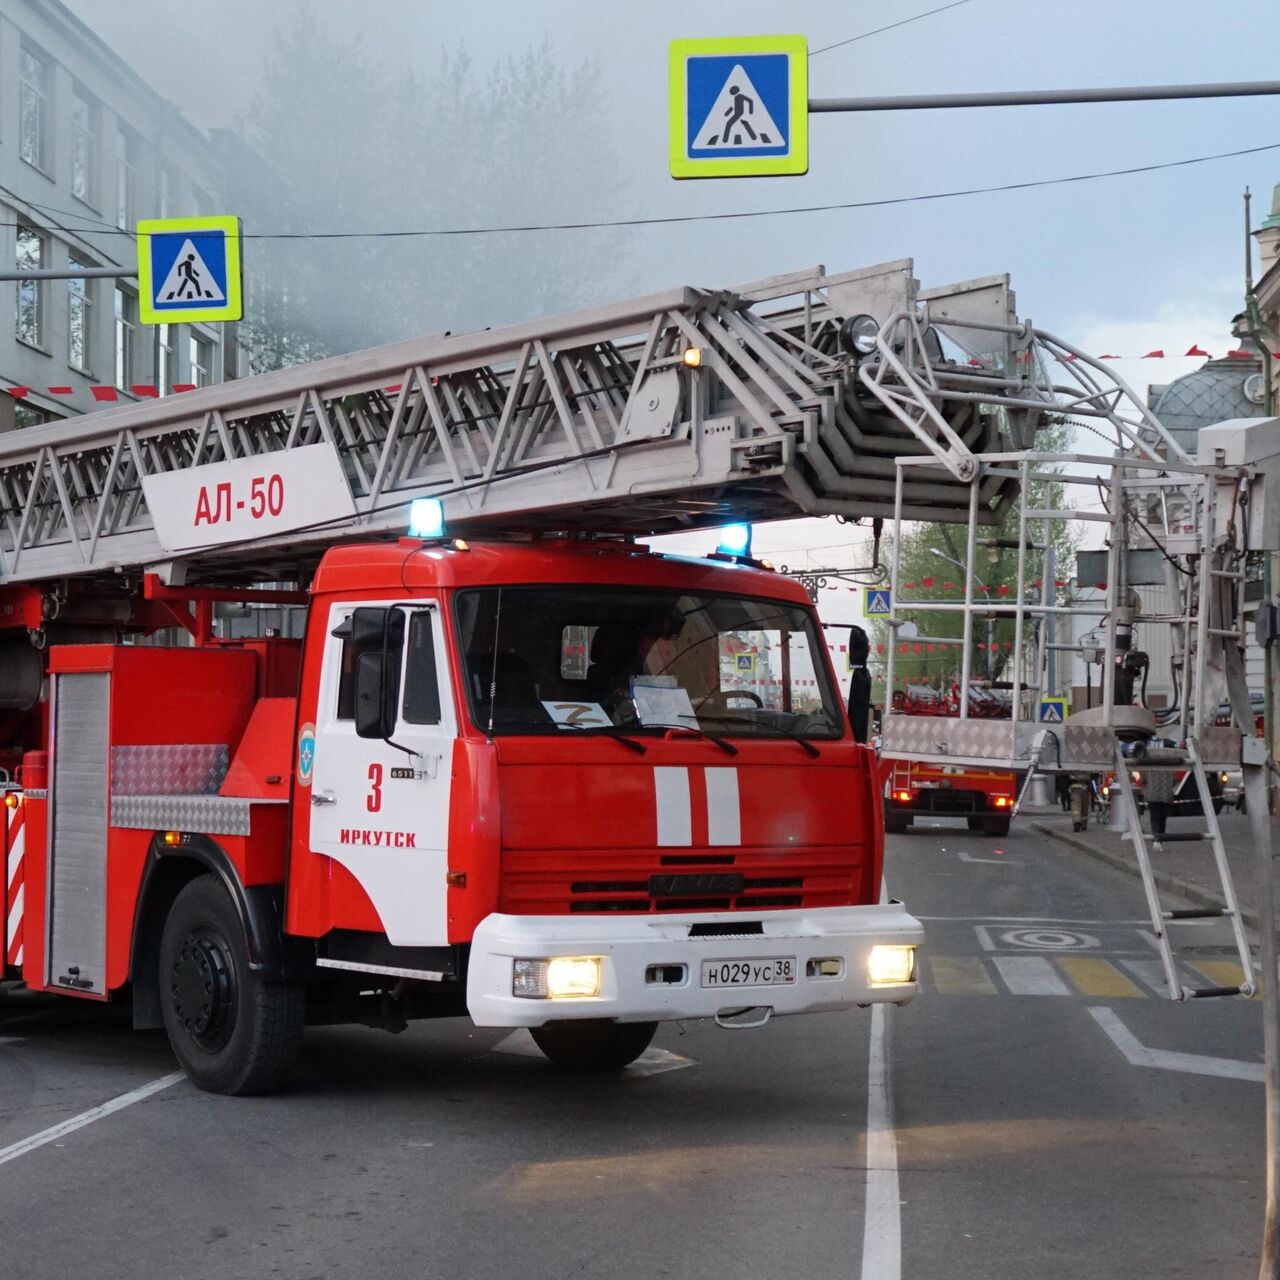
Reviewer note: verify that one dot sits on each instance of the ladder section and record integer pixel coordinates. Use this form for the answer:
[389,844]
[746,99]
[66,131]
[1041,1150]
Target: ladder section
[1190,760]
[671,411]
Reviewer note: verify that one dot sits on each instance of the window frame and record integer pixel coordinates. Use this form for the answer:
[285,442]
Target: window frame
[42,161]
[126,328]
[36,288]
[85,132]
[80,292]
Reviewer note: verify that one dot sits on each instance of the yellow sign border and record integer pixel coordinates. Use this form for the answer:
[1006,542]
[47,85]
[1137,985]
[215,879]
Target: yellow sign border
[796,161]
[231,309]
[1060,702]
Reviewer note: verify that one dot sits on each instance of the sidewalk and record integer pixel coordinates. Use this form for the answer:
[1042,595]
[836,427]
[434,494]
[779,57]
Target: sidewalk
[1187,870]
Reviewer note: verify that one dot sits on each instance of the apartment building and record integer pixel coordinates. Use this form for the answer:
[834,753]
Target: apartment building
[87,148]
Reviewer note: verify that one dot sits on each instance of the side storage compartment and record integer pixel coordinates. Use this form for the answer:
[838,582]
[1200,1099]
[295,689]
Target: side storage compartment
[137,735]
[77,866]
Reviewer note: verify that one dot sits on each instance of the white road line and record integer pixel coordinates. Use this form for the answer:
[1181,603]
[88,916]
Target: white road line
[1028,919]
[998,862]
[1198,1064]
[1030,976]
[652,1062]
[882,1220]
[88,1117]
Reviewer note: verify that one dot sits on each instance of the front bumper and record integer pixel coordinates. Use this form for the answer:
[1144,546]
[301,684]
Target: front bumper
[633,948]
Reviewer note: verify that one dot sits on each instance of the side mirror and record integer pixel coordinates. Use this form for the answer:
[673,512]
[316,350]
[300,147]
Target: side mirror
[378,635]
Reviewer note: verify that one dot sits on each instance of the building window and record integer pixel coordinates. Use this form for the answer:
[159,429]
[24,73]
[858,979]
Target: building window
[79,321]
[166,193]
[30,256]
[84,136]
[126,157]
[200,352]
[166,362]
[31,415]
[126,335]
[33,111]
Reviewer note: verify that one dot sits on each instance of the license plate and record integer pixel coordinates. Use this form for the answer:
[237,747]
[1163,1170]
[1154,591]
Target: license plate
[774,971]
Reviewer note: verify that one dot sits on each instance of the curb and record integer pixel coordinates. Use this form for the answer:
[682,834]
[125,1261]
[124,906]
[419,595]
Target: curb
[1193,893]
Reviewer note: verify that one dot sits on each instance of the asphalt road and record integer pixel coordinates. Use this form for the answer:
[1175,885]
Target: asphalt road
[1025,1139]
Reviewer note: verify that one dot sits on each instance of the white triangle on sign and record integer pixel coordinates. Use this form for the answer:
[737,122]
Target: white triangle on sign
[738,119]
[189,279]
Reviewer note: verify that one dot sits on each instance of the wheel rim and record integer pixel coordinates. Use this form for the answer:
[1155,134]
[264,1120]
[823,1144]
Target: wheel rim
[202,988]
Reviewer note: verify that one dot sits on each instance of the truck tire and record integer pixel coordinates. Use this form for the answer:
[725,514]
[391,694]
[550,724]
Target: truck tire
[896,823]
[593,1044]
[975,822]
[996,826]
[232,1030]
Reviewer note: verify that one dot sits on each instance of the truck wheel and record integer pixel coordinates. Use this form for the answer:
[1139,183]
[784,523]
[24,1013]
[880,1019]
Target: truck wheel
[996,826]
[593,1044]
[232,1030]
[896,823]
[974,822]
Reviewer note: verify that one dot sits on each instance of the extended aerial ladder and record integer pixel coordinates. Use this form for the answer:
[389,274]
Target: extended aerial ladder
[676,410]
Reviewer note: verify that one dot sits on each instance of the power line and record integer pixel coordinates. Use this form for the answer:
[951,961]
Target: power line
[676,219]
[955,4]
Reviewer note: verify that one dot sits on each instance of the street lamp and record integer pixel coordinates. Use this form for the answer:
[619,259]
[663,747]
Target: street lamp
[990,620]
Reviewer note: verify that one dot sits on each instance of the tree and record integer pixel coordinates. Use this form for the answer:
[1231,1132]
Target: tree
[350,148]
[931,567]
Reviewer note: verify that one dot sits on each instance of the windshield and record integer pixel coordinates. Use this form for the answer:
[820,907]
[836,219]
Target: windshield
[565,658]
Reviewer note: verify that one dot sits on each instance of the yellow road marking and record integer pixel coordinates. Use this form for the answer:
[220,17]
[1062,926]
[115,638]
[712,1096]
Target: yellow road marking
[1222,973]
[1096,977]
[961,976]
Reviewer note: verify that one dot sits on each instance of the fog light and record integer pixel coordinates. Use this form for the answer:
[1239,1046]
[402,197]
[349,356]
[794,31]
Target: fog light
[561,978]
[903,796]
[573,977]
[890,964]
[1002,802]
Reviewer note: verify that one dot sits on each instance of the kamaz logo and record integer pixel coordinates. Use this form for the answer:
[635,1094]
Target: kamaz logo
[694,886]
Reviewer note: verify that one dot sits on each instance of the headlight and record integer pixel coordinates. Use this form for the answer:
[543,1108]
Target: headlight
[561,978]
[890,964]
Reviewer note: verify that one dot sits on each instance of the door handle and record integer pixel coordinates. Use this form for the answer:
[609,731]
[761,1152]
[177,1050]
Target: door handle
[323,797]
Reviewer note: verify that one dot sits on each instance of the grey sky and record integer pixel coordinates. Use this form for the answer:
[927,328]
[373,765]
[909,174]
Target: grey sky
[1123,265]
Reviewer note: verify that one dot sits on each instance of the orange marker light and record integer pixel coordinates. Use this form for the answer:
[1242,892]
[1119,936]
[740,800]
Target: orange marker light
[172,837]
[11,800]
[692,357]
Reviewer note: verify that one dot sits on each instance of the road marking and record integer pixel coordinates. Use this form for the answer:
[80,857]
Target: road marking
[1035,920]
[960,976]
[1223,973]
[88,1117]
[652,1062]
[1150,973]
[1166,1059]
[1095,977]
[1030,976]
[999,862]
[882,1221]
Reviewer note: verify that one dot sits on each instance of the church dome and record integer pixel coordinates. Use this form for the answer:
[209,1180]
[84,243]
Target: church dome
[1216,391]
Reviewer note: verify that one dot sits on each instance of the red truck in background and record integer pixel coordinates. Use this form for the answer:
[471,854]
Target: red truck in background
[983,797]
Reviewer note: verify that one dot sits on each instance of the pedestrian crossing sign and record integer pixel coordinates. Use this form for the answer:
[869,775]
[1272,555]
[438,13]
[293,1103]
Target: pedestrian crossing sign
[739,107]
[877,602]
[1053,710]
[189,270]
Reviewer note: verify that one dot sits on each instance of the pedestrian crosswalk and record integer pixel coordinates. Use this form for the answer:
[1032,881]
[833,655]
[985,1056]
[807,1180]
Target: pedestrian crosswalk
[1067,975]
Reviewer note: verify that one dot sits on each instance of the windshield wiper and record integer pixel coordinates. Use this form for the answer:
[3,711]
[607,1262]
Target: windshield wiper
[770,727]
[727,747]
[610,731]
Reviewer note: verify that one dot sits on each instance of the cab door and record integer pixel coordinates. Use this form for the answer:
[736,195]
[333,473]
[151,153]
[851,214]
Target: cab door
[381,808]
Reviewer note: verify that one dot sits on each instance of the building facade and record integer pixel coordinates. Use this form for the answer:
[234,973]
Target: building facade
[87,149]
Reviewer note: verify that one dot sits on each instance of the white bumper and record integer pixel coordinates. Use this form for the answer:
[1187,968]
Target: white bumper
[635,948]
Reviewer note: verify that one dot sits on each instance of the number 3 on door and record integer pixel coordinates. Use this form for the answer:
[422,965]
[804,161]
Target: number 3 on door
[373,801]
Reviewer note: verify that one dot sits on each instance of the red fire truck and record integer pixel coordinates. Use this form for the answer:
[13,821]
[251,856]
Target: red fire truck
[525,779]
[983,797]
